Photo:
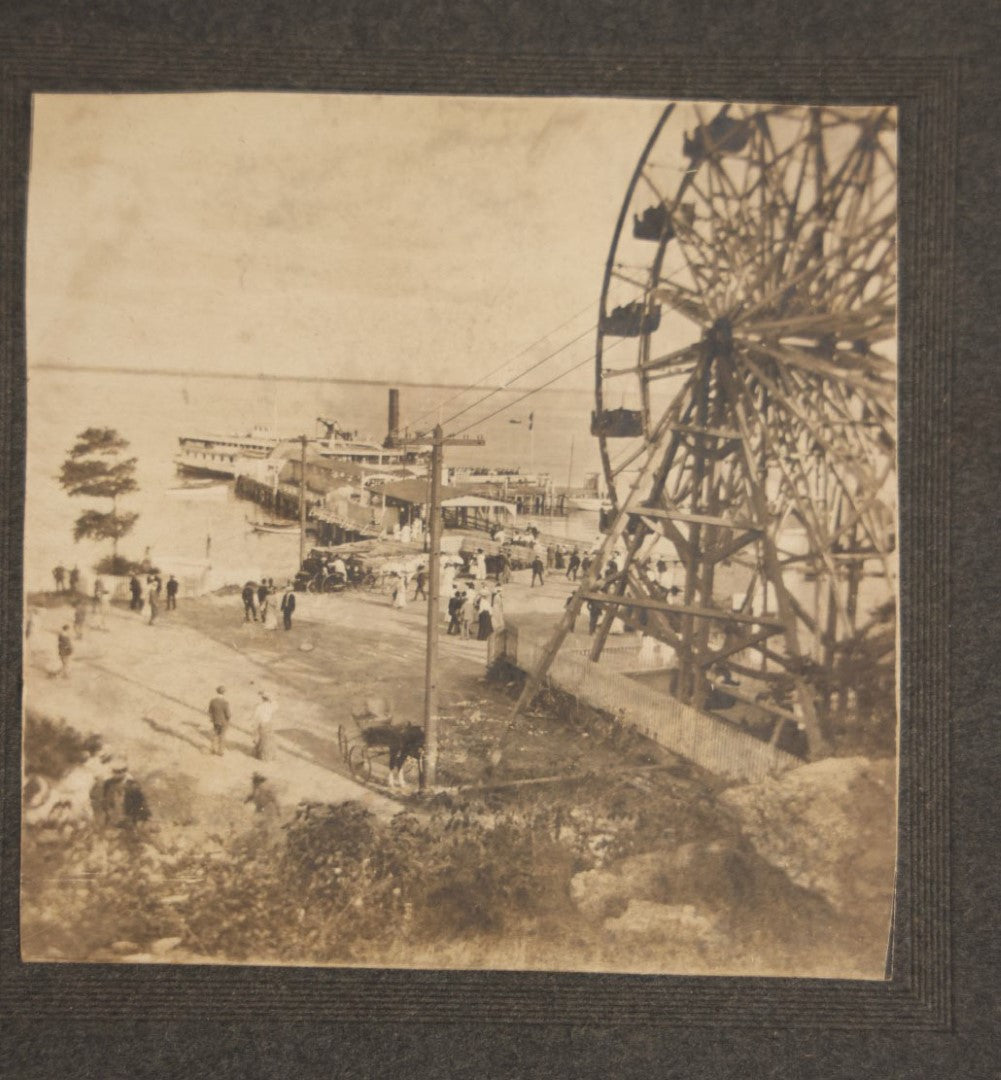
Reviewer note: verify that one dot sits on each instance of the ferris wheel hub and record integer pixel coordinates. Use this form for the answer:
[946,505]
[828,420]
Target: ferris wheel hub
[719,338]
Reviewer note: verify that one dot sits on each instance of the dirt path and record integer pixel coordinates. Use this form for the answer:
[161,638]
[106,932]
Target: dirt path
[145,690]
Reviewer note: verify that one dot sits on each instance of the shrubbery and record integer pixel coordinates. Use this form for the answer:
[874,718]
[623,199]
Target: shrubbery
[52,747]
[120,566]
[343,887]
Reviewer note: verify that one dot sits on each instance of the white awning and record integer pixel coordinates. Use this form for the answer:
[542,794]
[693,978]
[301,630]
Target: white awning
[474,502]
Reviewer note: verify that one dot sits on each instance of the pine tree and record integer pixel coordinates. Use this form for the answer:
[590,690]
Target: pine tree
[96,467]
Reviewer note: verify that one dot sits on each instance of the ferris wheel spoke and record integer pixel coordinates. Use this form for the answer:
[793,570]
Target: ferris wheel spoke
[857,158]
[869,502]
[619,274]
[733,233]
[702,262]
[844,325]
[857,425]
[685,301]
[790,463]
[877,264]
[698,271]
[809,272]
[869,380]
[795,412]
[714,242]
[851,490]
[662,366]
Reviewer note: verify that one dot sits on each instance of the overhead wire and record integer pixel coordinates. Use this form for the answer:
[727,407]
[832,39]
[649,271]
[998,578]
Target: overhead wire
[589,359]
[532,367]
[520,375]
[500,367]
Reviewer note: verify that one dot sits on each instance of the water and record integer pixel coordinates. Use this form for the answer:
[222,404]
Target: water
[151,411]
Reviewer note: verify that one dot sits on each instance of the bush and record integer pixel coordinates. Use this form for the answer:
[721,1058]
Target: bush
[119,566]
[52,747]
[340,886]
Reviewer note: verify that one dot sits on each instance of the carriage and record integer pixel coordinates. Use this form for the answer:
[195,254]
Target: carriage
[375,747]
[318,575]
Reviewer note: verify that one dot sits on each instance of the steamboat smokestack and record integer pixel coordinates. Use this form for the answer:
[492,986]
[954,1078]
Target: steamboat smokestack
[393,429]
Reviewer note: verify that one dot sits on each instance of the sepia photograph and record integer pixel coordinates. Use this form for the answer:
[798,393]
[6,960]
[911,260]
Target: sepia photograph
[461,533]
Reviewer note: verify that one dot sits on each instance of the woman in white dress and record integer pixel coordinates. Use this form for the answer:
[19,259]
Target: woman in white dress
[264,729]
[447,578]
[497,609]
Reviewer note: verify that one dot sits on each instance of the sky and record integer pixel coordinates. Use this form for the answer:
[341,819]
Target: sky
[360,236]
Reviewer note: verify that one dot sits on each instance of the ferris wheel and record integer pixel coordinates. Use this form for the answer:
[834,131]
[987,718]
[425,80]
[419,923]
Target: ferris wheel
[747,416]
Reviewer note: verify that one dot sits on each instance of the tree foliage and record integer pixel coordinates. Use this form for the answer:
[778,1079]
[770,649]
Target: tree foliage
[94,525]
[96,467]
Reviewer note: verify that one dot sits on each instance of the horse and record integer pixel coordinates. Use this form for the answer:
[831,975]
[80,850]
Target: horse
[403,741]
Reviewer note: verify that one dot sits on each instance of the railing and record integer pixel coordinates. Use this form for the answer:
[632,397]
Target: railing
[703,739]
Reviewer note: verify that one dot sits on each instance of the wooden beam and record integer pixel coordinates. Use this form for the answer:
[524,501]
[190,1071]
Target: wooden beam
[739,646]
[712,433]
[765,706]
[681,609]
[693,519]
[719,554]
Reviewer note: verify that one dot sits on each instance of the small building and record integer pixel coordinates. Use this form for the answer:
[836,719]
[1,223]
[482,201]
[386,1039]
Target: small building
[341,521]
[460,508]
[469,511]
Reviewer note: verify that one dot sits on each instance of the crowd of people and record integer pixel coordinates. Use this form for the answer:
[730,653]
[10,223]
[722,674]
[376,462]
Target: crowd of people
[480,606]
[93,611]
[262,603]
[147,598]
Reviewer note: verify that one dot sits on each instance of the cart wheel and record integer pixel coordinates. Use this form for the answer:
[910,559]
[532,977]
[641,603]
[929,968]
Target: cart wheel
[331,584]
[313,585]
[342,742]
[360,762]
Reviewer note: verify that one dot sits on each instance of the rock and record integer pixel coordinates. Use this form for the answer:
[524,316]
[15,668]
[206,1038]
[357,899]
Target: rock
[650,919]
[597,893]
[716,877]
[830,826]
[163,945]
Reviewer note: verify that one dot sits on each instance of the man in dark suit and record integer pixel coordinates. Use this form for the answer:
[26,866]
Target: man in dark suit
[287,607]
[249,596]
[454,603]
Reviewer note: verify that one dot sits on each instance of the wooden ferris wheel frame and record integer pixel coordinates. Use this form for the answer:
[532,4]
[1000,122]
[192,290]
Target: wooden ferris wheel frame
[783,416]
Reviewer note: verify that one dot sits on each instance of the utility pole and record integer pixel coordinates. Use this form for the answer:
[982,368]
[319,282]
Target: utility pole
[438,443]
[434,585]
[302,502]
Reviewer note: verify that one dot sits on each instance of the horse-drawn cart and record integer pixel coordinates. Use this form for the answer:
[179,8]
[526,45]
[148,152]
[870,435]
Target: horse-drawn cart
[329,570]
[373,746]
